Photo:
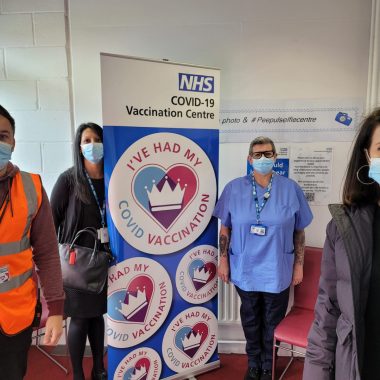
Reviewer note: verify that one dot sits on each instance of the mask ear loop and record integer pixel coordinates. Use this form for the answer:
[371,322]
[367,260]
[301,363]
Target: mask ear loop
[367,156]
[362,167]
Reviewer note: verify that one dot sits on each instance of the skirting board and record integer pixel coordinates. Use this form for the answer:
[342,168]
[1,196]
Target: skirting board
[231,338]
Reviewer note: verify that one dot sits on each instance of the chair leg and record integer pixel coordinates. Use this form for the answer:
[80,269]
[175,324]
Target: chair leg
[37,332]
[43,351]
[64,369]
[289,363]
[67,349]
[274,360]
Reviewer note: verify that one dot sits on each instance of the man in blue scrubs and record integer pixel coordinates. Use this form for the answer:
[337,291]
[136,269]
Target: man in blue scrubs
[261,248]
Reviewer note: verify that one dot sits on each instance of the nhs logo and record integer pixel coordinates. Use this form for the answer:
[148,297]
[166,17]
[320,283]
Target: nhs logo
[196,83]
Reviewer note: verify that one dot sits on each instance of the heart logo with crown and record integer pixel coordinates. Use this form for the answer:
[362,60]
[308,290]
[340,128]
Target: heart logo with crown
[201,273]
[135,305]
[189,339]
[139,371]
[164,194]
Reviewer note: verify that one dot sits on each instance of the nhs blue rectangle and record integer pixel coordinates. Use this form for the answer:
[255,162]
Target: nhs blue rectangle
[196,83]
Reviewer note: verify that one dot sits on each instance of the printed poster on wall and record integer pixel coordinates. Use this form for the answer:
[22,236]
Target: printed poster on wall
[311,168]
[161,143]
[290,120]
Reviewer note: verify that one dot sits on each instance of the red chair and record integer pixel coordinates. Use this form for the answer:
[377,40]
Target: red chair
[39,331]
[294,328]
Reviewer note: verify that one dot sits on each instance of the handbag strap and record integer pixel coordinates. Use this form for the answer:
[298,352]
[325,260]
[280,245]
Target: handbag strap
[93,232]
[89,230]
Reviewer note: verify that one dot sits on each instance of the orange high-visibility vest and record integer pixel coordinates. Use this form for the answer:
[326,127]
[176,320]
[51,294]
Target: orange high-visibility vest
[18,294]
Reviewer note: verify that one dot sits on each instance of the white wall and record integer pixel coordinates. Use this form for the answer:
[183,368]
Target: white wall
[298,49]
[267,49]
[34,84]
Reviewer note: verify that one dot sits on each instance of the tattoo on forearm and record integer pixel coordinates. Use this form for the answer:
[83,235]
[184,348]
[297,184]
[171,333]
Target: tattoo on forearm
[223,245]
[299,246]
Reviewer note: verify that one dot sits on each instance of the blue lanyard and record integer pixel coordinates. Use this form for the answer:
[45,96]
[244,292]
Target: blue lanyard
[102,210]
[265,199]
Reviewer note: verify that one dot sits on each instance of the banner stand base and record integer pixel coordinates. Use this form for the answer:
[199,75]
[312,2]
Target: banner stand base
[190,374]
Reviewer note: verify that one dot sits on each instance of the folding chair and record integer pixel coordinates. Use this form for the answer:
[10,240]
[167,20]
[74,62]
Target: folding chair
[294,328]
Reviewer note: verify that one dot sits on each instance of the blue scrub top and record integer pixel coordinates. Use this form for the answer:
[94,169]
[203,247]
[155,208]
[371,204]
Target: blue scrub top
[263,263]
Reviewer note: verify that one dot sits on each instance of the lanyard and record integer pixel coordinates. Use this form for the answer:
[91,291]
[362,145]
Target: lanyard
[265,199]
[102,210]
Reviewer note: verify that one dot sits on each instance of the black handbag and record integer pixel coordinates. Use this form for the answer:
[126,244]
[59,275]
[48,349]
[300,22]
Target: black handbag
[84,269]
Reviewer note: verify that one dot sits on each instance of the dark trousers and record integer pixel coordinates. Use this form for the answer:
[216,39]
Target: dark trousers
[14,354]
[260,313]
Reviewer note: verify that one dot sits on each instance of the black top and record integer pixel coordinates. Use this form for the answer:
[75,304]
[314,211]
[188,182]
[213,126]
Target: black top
[371,367]
[71,215]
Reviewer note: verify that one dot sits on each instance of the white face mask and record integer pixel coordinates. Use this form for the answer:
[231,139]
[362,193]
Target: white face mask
[263,165]
[374,169]
[5,154]
[93,152]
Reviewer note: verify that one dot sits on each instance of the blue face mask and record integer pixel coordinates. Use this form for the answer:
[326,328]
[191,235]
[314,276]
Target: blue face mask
[93,152]
[374,169]
[5,154]
[263,165]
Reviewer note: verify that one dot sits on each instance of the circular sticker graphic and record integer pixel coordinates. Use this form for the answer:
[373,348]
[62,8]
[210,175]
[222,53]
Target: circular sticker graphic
[139,298]
[190,339]
[196,277]
[140,364]
[162,193]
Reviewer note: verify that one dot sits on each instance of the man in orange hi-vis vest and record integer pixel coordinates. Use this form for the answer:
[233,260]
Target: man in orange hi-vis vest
[27,242]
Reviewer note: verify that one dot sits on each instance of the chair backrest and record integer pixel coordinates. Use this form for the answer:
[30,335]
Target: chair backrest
[305,294]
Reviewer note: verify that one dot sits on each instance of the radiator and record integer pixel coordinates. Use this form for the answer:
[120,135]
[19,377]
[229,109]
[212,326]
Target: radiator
[231,336]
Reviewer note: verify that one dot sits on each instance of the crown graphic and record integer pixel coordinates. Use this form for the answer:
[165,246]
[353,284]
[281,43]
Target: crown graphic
[134,305]
[139,373]
[166,199]
[201,275]
[193,341]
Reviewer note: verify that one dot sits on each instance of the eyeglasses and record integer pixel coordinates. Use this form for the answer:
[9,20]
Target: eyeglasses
[258,155]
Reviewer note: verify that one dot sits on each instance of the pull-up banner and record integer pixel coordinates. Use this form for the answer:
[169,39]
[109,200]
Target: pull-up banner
[161,143]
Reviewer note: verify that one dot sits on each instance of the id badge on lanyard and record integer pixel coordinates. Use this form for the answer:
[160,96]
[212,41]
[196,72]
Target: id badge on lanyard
[103,231]
[258,228]
[103,235]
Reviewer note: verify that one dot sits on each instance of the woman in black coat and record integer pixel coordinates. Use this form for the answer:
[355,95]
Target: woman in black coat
[344,340]
[78,202]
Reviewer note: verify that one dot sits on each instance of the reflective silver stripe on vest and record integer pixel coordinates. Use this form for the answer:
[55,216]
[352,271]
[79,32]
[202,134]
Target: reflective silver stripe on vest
[32,203]
[16,281]
[14,246]
[31,198]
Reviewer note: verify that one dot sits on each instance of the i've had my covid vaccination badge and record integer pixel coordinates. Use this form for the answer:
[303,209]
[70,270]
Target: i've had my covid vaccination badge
[140,364]
[196,277]
[139,298]
[190,339]
[162,193]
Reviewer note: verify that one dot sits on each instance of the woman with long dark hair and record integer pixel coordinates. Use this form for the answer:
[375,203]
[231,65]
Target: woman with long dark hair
[344,341]
[77,202]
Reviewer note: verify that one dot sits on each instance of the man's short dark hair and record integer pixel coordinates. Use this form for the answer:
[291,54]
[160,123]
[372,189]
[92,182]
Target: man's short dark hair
[7,115]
